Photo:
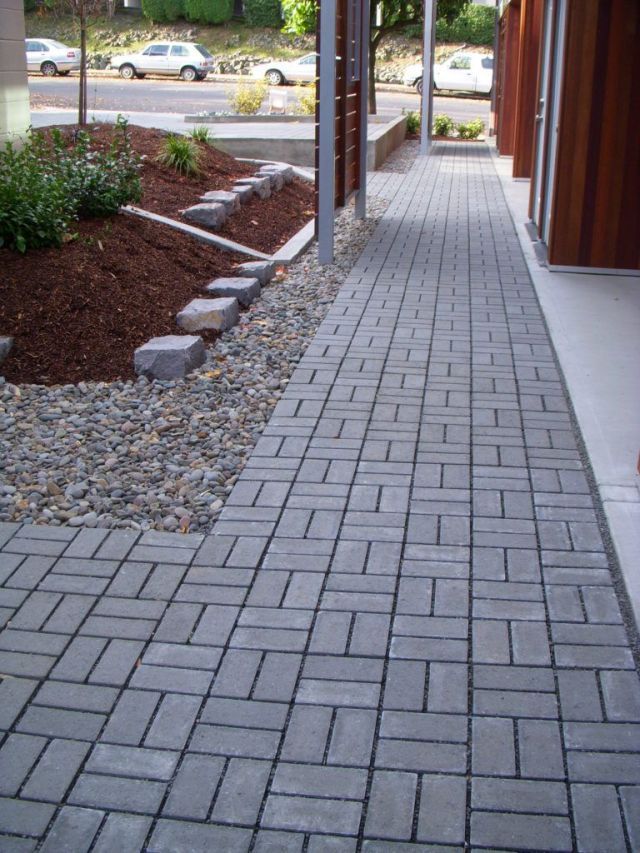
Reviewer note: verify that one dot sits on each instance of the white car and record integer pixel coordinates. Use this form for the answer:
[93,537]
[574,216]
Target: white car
[51,57]
[185,59]
[462,72]
[301,70]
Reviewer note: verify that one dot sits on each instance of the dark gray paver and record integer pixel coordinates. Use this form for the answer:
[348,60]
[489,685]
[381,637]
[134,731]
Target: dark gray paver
[403,633]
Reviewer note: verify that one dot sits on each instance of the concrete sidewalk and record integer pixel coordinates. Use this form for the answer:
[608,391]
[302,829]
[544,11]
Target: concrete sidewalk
[403,633]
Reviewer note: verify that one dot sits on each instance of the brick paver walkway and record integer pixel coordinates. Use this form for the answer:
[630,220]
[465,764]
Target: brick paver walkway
[404,632]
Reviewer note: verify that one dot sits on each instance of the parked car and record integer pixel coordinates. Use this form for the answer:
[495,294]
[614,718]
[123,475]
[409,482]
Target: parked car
[185,59]
[463,72]
[51,57]
[301,70]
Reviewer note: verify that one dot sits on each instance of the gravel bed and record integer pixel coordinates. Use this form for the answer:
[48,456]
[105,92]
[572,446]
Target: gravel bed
[165,455]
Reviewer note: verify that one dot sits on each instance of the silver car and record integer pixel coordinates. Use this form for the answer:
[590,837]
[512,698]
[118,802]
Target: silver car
[51,57]
[276,73]
[185,59]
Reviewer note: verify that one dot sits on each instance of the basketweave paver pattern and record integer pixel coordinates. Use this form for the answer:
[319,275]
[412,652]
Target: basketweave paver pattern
[404,632]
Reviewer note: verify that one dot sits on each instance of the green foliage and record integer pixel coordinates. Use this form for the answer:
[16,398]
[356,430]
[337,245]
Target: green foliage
[29,5]
[201,133]
[413,122]
[160,11]
[180,153]
[448,10]
[474,25]
[208,11]
[470,129]
[35,209]
[306,100]
[299,16]
[48,183]
[443,125]
[247,98]
[263,13]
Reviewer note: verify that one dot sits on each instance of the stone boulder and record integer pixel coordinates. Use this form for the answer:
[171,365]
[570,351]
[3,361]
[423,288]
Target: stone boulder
[264,271]
[6,343]
[216,314]
[281,169]
[245,290]
[210,214]
[260,186]
[244,193]
[276,179]
[230,200]
[169,357]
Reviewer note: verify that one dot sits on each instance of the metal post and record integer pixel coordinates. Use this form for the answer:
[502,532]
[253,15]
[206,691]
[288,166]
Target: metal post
[327,131]
[363,47]
[426,105]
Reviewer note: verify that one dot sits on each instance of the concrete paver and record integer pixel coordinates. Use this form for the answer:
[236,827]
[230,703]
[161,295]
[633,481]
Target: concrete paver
[403,632]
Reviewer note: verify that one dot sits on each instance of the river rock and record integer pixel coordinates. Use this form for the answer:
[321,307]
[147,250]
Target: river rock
[216,314]
[6,344]
[169,357]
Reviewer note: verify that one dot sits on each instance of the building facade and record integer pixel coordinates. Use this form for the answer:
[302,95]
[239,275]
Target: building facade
[567,108]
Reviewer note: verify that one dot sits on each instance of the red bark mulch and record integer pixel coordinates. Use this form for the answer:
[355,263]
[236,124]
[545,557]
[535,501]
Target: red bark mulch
[78,312]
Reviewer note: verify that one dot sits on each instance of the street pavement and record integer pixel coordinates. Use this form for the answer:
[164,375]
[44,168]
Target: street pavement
[404,632]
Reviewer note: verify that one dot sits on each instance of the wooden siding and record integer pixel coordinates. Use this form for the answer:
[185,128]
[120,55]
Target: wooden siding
[528,67]
[507,80]
[596,202]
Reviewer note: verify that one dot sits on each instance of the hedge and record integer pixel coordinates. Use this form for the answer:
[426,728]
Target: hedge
[263,13]
[208,11]
[163,10]
[474,25]
[299,16]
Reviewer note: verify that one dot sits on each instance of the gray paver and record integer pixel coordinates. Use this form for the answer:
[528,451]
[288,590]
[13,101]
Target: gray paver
[413,541]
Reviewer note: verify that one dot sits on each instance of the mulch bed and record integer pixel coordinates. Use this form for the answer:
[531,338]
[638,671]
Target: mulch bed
[261,225]
[78,313]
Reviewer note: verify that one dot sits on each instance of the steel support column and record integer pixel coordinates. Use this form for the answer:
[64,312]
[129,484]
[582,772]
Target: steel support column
[426,104]
[327,131]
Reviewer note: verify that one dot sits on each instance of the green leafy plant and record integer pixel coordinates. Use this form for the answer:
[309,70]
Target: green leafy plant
[208,11]
[299,16]
[413,122]
[470,129]
[443,125]
[247,98]
[48,183]
[474,25]
[201,133]
[180,153]
[306,100]
[263,13]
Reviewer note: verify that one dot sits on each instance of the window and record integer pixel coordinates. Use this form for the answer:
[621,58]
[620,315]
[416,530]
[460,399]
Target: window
[179,50]
[487,62]
[308,60]
[159,50]
[36,47]
[461,62]
[203,51]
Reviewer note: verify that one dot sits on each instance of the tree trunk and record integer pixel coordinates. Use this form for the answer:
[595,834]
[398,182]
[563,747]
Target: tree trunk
[82,95]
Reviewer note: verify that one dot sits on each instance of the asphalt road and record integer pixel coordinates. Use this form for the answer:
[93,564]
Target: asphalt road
[174,96]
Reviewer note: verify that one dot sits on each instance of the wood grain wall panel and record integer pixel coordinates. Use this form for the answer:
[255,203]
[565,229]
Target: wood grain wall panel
[526,105]
[507,95]
[596,206]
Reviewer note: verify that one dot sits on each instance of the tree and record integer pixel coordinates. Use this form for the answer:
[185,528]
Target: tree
[84,13]
[391,16]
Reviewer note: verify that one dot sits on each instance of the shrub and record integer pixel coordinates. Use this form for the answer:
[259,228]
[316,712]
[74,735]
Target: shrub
[47,184]
[180,153]
[474,25]
[163,10]
[470,129]
[413,122]
[306,97]
[443,125]
[201,133]
[247,98]
[35,208]
[208,11]
[29,5]
[299,16]
[263,13]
